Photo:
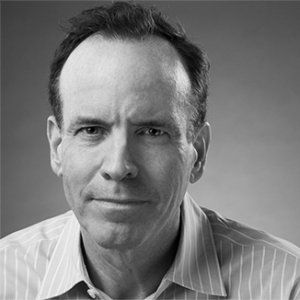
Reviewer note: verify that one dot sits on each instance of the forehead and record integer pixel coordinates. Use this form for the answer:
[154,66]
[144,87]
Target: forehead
[106,71]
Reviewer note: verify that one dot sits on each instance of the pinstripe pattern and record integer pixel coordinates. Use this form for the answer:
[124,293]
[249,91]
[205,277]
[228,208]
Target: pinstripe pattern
[216,259]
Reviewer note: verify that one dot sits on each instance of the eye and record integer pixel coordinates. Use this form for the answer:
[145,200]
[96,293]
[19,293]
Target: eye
[154,132]
[91,131]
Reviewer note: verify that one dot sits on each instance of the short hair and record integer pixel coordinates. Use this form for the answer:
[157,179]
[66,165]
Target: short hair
[128,20]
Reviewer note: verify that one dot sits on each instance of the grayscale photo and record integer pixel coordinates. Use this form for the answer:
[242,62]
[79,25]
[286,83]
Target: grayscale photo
[150,150]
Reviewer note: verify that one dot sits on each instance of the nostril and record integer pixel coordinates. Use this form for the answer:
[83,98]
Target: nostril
[130,175]
[106,176]
[119,172]
[131,170]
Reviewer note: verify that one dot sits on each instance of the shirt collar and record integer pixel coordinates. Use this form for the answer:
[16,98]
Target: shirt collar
[195,267]
[196,264]
[66,267]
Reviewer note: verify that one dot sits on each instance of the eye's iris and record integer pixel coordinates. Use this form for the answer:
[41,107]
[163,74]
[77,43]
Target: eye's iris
[154,132]
[92,130]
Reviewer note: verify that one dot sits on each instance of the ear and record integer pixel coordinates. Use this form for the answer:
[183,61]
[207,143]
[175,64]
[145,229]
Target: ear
[55,139]
[201,144]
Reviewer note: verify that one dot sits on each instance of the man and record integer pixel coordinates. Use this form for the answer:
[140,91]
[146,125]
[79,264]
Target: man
[127,135]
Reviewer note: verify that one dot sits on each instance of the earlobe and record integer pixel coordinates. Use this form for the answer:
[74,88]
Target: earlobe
[201,144]
[55,139]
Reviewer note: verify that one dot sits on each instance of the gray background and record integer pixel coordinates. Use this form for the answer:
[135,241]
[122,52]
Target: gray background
[253,167]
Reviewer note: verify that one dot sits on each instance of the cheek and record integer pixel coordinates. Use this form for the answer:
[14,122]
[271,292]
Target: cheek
[169,169]
[77,170]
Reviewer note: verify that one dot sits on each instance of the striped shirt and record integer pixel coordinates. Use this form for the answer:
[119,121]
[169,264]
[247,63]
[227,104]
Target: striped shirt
[216,259]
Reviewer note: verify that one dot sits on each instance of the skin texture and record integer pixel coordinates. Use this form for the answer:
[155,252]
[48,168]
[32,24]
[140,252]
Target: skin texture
[125,157]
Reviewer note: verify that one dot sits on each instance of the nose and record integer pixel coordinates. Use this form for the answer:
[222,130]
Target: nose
[118,164]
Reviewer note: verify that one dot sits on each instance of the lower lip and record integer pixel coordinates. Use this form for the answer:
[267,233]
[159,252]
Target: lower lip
[121,211]
[121,204]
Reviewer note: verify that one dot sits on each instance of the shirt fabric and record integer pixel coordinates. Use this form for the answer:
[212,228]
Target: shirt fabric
[216,259]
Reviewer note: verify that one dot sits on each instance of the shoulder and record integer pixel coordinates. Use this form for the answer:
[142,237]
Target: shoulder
[269,265]
[46,230]
[227,230]
[24,256]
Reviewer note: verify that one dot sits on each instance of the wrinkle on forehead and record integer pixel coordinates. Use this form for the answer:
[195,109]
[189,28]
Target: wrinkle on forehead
[98,60]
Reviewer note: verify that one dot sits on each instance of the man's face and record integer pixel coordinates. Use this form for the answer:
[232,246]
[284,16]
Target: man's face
[124,155]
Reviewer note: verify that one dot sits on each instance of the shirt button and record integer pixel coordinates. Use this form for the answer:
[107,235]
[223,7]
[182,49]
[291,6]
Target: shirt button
[92,293]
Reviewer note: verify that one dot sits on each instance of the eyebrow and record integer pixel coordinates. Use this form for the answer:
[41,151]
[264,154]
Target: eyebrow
[87,121]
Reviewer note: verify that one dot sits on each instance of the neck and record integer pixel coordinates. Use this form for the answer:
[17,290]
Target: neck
[133,273]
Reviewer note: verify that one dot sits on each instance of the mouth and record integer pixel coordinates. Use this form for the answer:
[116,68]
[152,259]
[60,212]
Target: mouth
[121,202]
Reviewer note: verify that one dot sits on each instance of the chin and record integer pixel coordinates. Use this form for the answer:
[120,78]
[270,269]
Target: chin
[117,237]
